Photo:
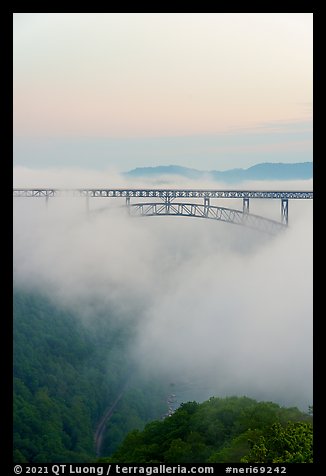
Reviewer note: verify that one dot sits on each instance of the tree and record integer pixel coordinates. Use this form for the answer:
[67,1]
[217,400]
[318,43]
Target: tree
[289,444]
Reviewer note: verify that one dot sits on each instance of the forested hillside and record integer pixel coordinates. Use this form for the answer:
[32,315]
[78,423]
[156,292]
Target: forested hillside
[66,374]
[222,430]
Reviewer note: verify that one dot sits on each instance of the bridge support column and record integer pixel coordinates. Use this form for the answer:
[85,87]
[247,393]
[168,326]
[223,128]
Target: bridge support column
[128,204]
[245,205]
[206,205]
[167,204]
[285,211]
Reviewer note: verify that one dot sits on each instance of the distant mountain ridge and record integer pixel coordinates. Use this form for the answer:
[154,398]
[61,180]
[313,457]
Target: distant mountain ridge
[262,171]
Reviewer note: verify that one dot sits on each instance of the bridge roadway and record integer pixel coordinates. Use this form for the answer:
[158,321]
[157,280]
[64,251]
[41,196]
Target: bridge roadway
[169,207]
[162,193]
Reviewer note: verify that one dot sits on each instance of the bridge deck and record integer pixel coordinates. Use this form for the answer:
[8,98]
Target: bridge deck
[163,193]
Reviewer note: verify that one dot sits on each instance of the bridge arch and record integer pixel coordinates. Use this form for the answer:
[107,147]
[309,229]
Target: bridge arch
[229,215]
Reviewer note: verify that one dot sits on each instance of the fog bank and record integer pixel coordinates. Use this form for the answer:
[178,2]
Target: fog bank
[218,309]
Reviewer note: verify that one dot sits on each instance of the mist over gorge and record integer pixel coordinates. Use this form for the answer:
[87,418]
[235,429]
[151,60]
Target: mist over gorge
[141,333]
[217,308]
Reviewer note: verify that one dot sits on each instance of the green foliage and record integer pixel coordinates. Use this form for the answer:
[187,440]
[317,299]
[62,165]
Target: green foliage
[65,376]
[234,450]
[51,423]
[283,444]
[227,430]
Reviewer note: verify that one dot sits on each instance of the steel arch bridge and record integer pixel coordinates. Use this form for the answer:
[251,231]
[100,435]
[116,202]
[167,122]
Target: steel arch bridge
[164,204]
[211,212]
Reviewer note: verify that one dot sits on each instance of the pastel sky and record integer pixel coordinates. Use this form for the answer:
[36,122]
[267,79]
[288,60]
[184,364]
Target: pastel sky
[120,83]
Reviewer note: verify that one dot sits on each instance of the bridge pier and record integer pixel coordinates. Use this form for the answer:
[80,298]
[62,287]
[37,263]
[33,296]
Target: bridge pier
[245,208]
[206,205]
[285,211]
[128,204]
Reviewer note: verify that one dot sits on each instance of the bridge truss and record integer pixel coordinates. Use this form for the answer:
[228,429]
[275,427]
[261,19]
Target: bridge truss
[167,206]
[228,215]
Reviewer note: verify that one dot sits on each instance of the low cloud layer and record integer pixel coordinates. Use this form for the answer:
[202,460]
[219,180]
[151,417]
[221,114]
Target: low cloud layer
[218,308]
